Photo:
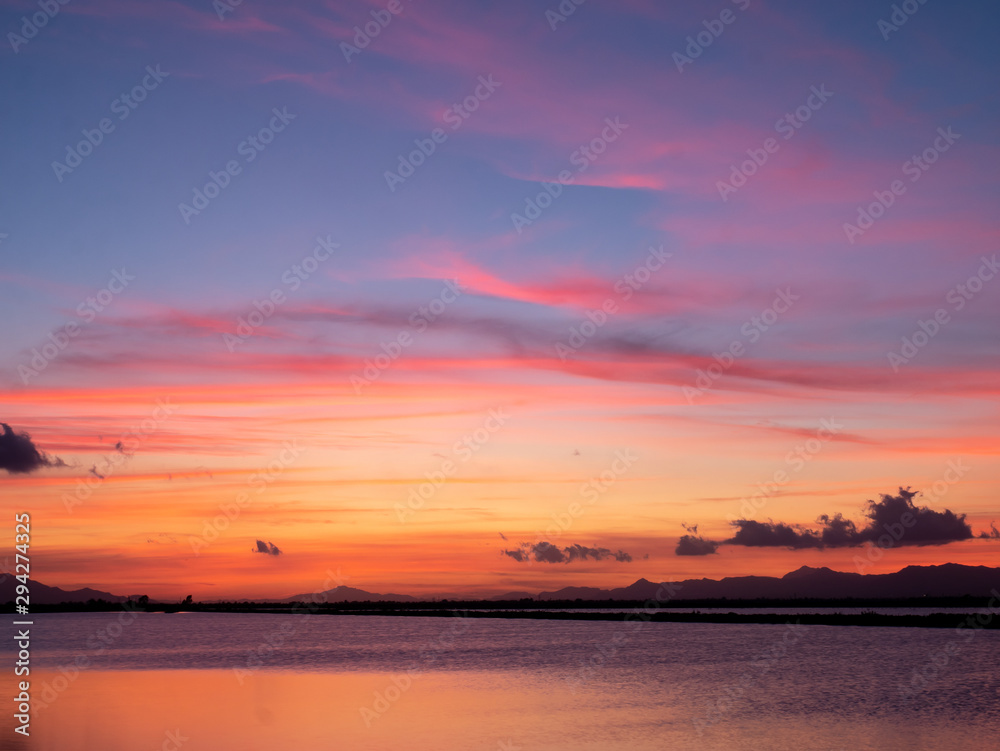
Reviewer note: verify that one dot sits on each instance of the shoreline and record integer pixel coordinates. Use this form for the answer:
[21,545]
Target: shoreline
[982,618]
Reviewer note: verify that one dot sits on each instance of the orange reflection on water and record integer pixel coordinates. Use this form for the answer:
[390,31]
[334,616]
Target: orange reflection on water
[212,710]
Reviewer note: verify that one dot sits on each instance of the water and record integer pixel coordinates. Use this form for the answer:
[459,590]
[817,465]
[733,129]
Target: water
[789,611]
[257,681]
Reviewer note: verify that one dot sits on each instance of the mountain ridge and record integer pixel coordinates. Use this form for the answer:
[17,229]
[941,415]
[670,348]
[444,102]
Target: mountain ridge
[345,594]
[42,594]
[942,580]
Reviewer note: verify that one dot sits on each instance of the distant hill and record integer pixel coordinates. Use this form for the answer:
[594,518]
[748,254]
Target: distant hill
[40,594]
[347,594]
[946,580]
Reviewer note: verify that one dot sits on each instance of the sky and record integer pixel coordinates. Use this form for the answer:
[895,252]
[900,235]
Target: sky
[469,298]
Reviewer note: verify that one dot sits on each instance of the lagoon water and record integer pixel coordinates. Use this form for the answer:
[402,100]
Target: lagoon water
[257,681]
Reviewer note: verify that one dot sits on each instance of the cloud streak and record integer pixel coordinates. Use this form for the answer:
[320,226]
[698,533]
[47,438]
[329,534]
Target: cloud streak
[546,552]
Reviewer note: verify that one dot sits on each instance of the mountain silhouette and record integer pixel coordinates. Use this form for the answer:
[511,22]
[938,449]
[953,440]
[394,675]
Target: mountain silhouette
[40,594]
[347,594]
[946,580]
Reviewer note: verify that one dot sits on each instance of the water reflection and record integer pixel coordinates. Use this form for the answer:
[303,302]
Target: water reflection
[493,711]
[229,682]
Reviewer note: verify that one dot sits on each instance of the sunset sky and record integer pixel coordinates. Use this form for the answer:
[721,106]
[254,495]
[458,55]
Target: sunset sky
[397,303]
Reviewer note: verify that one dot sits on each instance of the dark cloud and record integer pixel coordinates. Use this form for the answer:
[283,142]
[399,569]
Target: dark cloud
[546,552]
[993,534]
[838,532]
[694,545]
[770,534]
[928,527]
[267,548]
[19,455]
[577,552]
[893,520]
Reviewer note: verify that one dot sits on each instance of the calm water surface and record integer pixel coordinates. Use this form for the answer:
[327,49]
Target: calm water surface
[230,681]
